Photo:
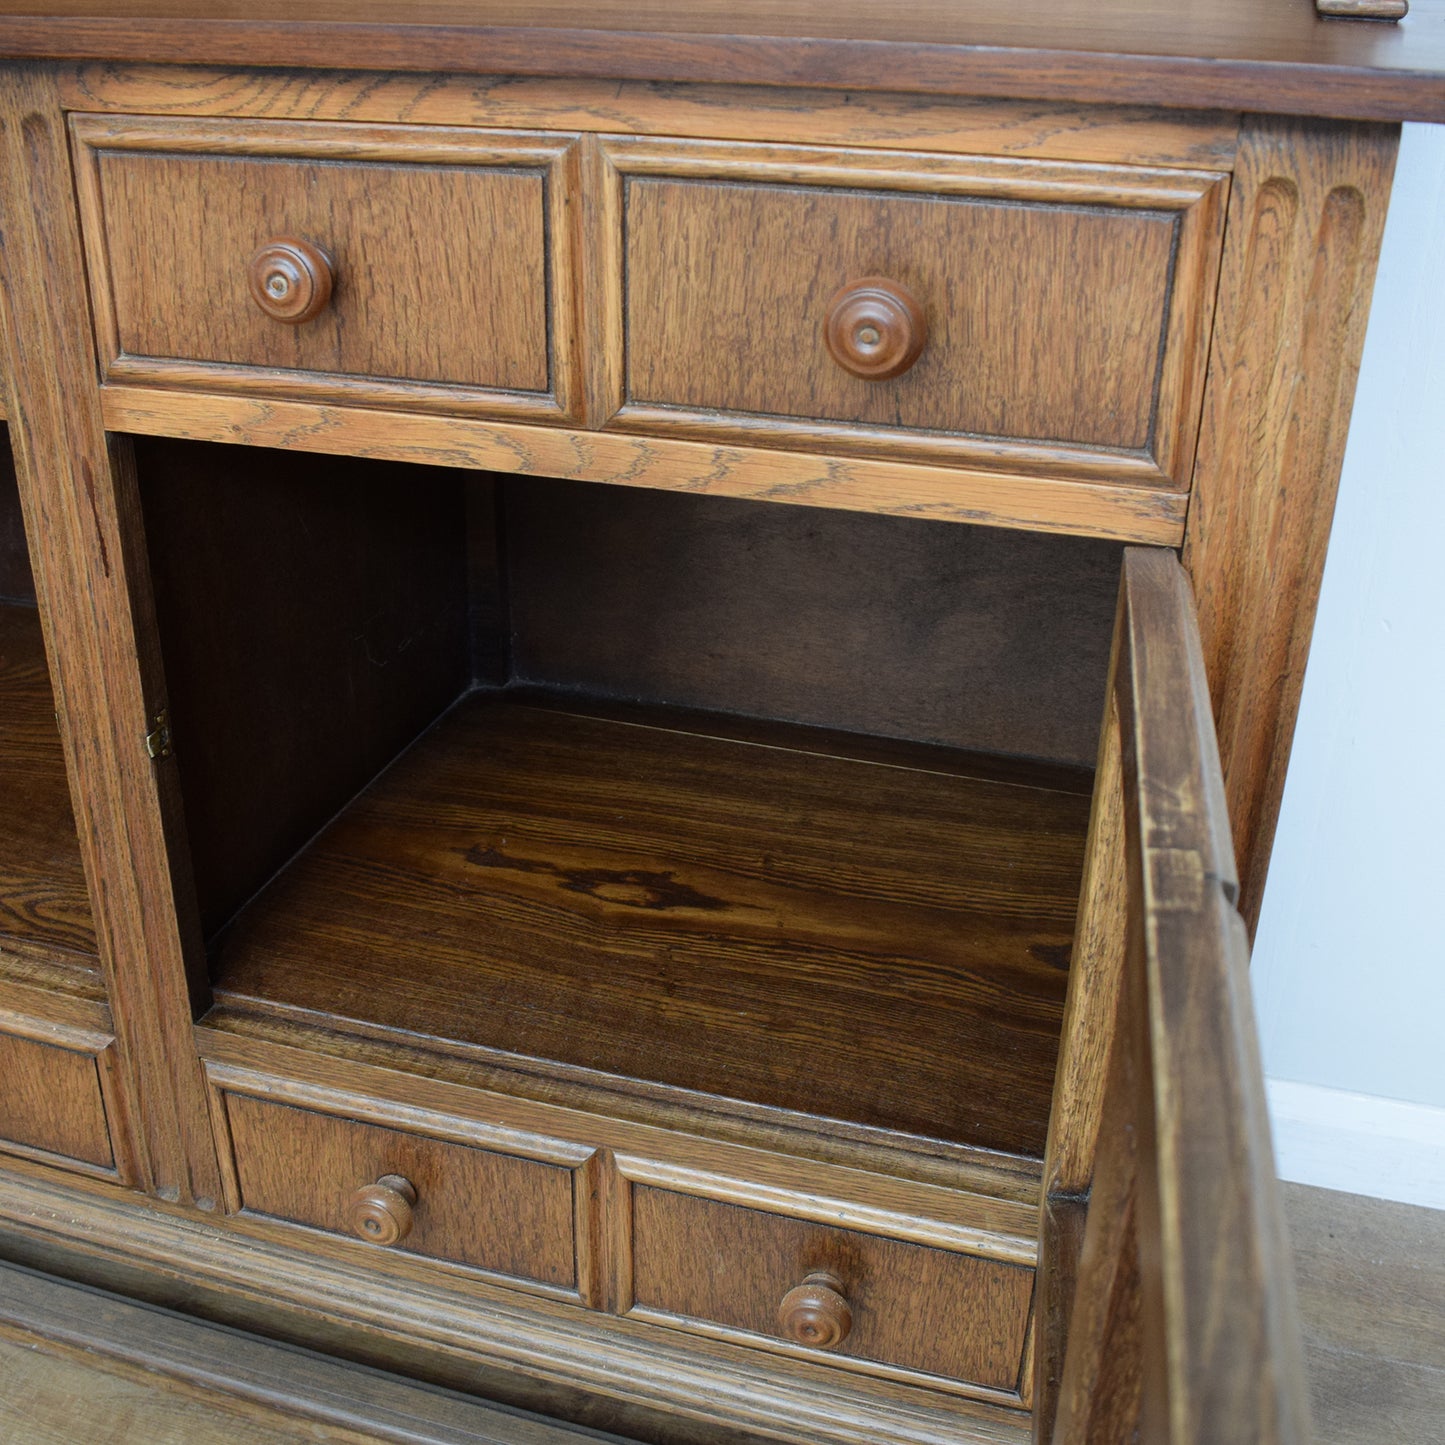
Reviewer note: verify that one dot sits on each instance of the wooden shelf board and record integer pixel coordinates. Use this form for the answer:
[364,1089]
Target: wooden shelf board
[44,905]
[874,942]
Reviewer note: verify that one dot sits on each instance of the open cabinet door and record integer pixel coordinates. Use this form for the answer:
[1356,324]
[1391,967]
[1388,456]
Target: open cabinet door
[1167,1292]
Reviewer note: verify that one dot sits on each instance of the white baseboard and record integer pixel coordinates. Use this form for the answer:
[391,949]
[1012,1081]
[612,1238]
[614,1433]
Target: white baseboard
[1358,1143]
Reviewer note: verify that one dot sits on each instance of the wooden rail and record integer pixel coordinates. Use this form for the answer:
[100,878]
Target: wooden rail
[1170,1267]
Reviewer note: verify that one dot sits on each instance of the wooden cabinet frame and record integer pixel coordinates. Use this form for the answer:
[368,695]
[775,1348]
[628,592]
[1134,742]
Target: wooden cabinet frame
[1158,1147]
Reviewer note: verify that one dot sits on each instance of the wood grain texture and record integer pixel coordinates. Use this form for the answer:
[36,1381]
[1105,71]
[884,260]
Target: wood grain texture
[1221,1345]
[1064,306]
[1096,967]
[490,1211]
[991,1214]
[1138,135]
[311,615]
[971,637]
[658,904]
[79,501]
[1306,215]
[1231,53]
[477,303]
[117,1370]
[1079,508]
[1097,1396]
[486,1327]
[51,1101]
[16,583]
[43,896]
[703,1263]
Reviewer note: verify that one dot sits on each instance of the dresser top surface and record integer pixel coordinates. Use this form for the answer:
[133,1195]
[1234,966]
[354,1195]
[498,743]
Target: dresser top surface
[1268,55]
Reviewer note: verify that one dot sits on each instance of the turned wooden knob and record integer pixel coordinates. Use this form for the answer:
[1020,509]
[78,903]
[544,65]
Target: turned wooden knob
[875,328]
[381,1213]
[290,280]
[815,1312]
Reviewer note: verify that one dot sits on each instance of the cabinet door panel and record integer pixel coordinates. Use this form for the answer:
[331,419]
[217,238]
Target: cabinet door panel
[1173,1275]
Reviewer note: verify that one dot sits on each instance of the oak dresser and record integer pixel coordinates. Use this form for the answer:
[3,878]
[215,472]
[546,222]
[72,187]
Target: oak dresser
[646,663]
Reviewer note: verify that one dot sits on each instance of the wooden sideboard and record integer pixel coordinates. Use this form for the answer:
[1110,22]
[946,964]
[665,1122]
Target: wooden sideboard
[674,640]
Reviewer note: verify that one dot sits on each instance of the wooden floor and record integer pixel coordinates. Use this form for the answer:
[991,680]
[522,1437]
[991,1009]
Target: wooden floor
[1372,1292]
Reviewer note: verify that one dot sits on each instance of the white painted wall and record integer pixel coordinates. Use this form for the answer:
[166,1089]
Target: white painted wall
[1349,962]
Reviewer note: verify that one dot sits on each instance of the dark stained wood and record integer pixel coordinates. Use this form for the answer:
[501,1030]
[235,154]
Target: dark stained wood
[861,942]
[50,1100]
[312,618]
[1096,967]
[1305,219]
[476,305]
[481,1338]
[16,583]
[1232,53]
[974,637]
[1220,1344]
[1092,1248]
[875,328]
[930,1310]
[179,1380]
[1063,307]
[506,1215]
[291,280]
[1146,136]
[816,1313]
[1107,508]
[383,1213]
[43,895]
[78,495]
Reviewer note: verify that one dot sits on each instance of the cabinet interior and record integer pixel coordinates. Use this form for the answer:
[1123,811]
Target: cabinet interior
[645,799]
[47,937]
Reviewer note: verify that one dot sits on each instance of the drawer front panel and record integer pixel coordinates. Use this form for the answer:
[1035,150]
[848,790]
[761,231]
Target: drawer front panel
[1047,320]
[435,249]
[914,1307]
[51,1101]
[476,1207]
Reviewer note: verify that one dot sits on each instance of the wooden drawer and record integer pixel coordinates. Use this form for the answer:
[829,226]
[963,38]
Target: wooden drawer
[726,1269]
[1062,311]
[491,1210]
[423,253]
[52,1097]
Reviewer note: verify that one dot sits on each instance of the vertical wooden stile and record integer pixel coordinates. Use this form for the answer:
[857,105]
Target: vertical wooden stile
[78,491]
[1306,216]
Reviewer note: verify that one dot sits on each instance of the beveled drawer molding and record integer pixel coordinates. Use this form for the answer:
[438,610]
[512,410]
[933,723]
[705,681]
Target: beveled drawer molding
[55,1080]
[902,1297]
[1066,307]
[400,1180]
[426,268]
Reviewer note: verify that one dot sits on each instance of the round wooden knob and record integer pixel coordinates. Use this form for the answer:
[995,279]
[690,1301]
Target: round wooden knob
[381,1213]
[290,280]
[875,328]
[815,1313]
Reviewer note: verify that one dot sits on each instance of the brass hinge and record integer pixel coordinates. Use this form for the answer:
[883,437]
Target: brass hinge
[158,739]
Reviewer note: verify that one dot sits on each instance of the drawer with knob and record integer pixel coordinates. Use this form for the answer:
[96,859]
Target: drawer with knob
[426,268]
[507,1213]
[808,1288]
[1007,314]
